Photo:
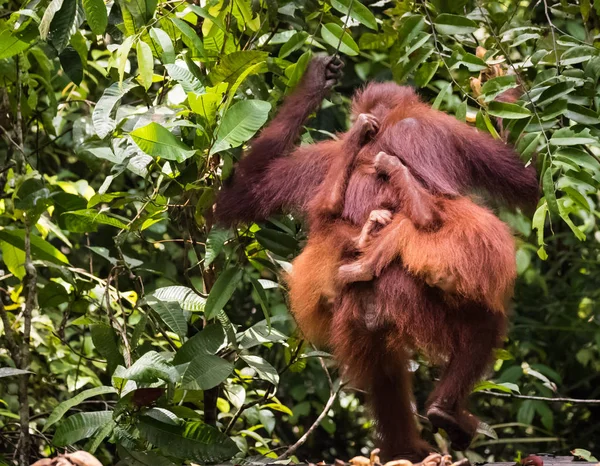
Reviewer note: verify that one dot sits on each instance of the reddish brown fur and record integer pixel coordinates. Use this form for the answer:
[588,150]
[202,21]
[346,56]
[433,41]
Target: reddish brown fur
[448,158]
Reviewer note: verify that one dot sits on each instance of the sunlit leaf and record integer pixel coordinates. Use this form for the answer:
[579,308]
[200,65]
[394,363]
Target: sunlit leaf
[157,141]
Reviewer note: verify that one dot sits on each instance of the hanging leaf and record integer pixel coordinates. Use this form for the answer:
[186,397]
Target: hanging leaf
[71,63]
[187,298]
[357,11]
[65,406]
[80,426]
[171,314]
[240,123]
[49,14]
[222,291]
[163,42]
[206,371]
[157,141]
[123,55]
[185,77]
[64,24]
[332,33]
[102,119]
[214,244]
[95,13]
[145,63]
[14,259]
[190,38]
[264,370]
[105,340]
[150,368]
[296,41]
[208,341]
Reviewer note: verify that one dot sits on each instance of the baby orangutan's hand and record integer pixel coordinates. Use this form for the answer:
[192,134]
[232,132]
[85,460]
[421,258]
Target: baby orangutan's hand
[377,217]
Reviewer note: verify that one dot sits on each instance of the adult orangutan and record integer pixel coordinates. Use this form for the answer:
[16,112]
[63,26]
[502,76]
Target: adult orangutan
[449,159]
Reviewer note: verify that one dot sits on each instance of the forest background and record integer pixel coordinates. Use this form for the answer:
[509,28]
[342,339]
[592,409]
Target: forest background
[135,328]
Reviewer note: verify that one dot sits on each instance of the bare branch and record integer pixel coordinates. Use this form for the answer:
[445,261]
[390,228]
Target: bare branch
[542,398]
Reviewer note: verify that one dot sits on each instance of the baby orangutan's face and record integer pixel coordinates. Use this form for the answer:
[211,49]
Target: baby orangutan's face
[442,280]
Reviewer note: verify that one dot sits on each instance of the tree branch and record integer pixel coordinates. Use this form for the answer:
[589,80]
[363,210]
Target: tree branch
[541,398]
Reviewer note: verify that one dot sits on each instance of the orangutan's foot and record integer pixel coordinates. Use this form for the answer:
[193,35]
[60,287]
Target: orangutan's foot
[461,428]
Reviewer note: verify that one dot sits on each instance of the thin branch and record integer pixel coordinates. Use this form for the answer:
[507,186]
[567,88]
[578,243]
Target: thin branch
[542,398]
[553,35]
[333,393]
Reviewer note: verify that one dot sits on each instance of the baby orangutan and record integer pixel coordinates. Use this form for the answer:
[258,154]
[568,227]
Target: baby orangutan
[450,242]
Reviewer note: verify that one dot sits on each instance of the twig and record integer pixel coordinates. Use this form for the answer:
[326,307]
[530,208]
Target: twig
[302,440]
[553,35]
[542,398]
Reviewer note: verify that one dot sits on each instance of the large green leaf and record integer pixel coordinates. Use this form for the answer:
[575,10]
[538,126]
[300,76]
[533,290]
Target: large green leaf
[357,11]
[48,16]
[185,77]
[206,371]
[157,141]
[221,291]
[87,220]
[332,33]
[70,62]
[208,341]
[40,249]
[264,370]
[64,24]
[295,42]
[145,63]
[240,123]
[62,408]
[214,244]
[187,298]
[80,426]
[171,314]
[102,119]
[150,368]
[95,13]
[232,65]
[508,111]
[193,440]
[14,259]
[105,341]
[12,43]
[454,24]
[569,137]
[190,38]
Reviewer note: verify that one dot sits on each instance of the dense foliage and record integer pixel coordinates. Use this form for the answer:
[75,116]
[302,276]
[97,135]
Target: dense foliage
[137,329]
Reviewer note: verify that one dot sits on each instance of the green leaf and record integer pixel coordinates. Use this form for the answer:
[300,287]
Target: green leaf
[425,73]
[508,111]
[48,16]
[65,406]
[190,38]
[171,314]
[549,190]
[11,372]
[12,42]
[240,123]
[187,298]
[581,115]
[264,370]
[222,291]
[157,141]
[86,220]
[584,454]
[569,137]
[71,63]
[453,24]
[232,65]
[105,340]
[496,86]
[100,436]
[206,371]
[192,440]
[102,119]
[163,42]
[332,33]
[539,221]
[123,55]
[95,13]
[260,333]
[141,11]
[555,92]
[579,54]
[296,71]
[64,24]
[357,11]
[185,77]
[14,259]
[207,341]
[150,368]
[80,426]
[40,249]
[214,244]
[278,242]
[295,42]
[411,26]
[145,63]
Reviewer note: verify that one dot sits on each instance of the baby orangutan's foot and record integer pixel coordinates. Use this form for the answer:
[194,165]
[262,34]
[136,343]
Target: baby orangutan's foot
[365,127]
[377,217]
[357,271]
